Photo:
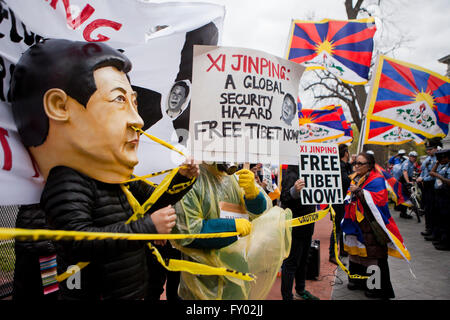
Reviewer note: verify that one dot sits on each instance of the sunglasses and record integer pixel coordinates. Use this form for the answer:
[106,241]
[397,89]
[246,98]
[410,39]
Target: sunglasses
[360,163]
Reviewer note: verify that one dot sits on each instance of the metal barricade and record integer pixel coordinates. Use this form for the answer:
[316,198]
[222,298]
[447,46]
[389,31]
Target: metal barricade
[8,216]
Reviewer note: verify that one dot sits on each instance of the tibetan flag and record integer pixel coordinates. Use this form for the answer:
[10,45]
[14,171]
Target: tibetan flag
[299,104]
[394,187]
[383,133]
[410,97]
[346,125]
[319,125]
[327,124]
[343,47]
[375,196]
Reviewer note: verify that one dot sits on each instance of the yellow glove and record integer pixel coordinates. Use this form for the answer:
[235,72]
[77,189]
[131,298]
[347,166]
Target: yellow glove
[247,182]
[243,226]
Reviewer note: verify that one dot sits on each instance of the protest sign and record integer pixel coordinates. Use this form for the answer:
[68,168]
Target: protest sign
[243,106]
[320,169]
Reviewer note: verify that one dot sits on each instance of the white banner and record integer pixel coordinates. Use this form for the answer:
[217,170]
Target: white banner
[157,38]
[321,170]
[243,106]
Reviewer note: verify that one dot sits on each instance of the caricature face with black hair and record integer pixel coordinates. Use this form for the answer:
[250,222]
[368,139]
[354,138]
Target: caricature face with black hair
[288,109]
[74,106]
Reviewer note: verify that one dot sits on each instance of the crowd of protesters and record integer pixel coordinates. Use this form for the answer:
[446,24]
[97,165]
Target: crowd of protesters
[90,193]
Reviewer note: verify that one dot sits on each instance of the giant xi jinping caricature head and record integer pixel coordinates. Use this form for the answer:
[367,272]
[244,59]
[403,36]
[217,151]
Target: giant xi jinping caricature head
[74,106]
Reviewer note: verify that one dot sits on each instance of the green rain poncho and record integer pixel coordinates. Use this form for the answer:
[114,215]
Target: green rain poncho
[260,253]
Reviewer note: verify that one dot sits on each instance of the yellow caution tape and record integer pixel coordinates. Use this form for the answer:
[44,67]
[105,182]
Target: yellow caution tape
[172,265]
[162,142]
[309,218]
[336,253]
[71,271]
[198,268]
[140,210]
[151,175]
[65,235]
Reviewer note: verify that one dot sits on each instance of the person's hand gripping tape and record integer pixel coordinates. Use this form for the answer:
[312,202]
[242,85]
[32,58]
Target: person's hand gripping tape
[243,226]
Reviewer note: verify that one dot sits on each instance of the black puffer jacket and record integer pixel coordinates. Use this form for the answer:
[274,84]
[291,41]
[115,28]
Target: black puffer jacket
[32,217]
[117,269]
[289,177]
[27,273]
[346,170]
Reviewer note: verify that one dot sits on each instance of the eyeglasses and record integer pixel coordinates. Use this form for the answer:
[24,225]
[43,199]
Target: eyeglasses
[360,163]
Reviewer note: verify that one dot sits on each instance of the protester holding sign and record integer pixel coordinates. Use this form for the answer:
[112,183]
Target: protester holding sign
[264,177]
[76,112]
[216,203]
[294,266]
[370,232]
[339,209]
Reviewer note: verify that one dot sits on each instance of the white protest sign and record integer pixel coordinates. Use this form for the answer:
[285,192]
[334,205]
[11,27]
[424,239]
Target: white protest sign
[243,106]
[320,169]
[232,211]
[267,177]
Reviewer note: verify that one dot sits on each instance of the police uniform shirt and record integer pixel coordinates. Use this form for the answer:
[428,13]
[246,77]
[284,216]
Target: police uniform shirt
[426,167]
[409,167]
[443,171]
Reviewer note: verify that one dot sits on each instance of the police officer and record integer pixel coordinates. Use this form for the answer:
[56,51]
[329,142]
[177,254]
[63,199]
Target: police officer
[398,158]
[426,182]
[396,161]
[441,171]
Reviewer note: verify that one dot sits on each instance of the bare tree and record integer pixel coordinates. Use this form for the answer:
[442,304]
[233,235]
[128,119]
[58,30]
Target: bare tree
[327,88]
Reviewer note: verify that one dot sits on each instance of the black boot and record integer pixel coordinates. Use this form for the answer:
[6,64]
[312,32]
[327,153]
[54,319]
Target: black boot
[442,246]
[431,237]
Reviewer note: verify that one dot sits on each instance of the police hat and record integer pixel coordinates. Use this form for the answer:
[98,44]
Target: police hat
[433,143]
[443,153]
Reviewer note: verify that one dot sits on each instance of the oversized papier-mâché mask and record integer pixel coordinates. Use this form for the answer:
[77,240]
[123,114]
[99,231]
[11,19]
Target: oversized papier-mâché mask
[74,106]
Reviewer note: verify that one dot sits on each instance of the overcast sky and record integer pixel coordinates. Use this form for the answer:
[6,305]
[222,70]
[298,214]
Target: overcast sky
[265,25]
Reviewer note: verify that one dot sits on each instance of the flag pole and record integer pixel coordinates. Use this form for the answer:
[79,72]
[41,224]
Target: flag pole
[365,116]
[362,134]
[288,42]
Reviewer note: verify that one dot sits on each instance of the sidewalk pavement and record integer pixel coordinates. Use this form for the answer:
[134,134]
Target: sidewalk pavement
[430,266]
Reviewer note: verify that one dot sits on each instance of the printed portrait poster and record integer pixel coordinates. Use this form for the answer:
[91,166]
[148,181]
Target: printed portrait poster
[243,106]
[320,168]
